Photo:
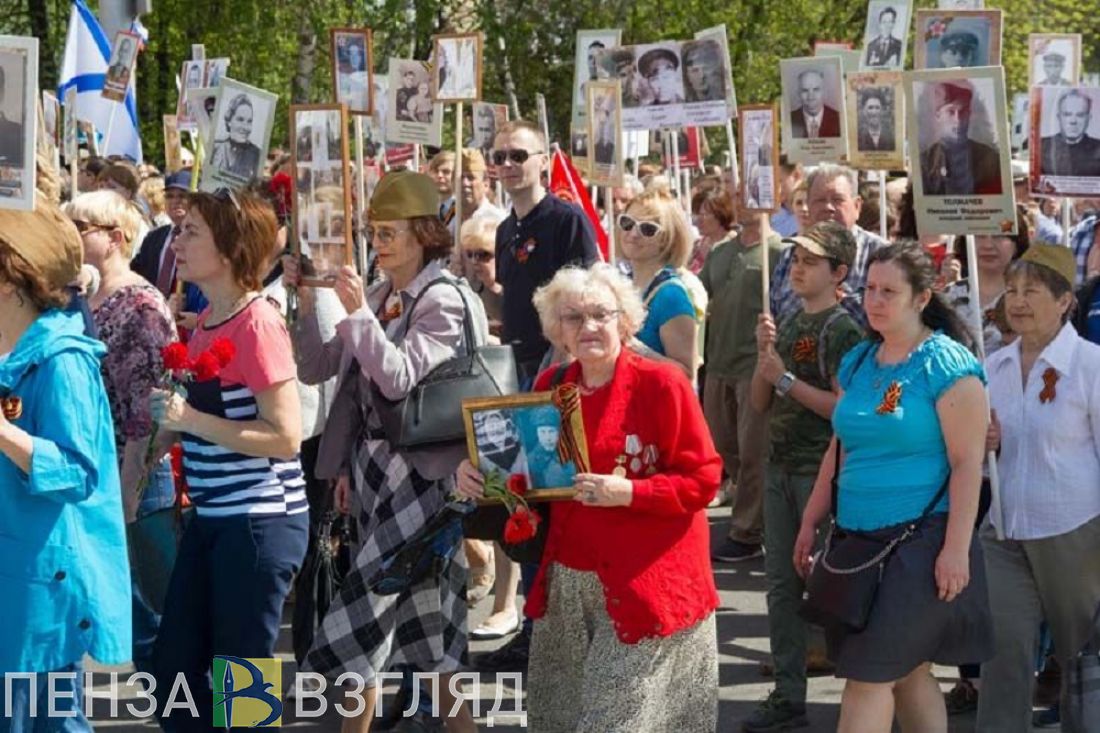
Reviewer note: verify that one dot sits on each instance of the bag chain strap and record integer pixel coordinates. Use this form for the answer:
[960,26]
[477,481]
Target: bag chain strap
[870,563]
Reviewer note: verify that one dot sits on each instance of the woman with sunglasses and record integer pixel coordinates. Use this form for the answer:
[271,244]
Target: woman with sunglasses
[656,241]
[623,603]
[386,347]
[62,540]
[240,432]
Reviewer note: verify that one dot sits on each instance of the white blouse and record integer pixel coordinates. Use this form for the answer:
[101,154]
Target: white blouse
[1050,451]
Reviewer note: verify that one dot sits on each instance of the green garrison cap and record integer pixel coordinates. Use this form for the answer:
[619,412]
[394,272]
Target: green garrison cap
[404,195]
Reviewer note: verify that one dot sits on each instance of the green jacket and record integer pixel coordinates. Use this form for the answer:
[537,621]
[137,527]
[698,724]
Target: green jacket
[731,275]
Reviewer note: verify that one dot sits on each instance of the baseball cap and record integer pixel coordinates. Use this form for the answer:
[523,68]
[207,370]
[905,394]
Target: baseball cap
[179,179]
[829,240]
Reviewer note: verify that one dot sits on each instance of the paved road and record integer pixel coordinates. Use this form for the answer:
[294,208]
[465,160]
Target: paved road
[743,644]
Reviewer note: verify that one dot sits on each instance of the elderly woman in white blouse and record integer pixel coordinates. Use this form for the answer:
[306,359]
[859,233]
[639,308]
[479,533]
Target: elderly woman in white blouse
[1045,391]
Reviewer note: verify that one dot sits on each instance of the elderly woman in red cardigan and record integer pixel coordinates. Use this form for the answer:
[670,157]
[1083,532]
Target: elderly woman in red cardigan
[624,635]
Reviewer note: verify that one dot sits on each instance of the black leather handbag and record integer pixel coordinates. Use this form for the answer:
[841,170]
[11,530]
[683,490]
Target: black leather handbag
[431,414]
[846,574]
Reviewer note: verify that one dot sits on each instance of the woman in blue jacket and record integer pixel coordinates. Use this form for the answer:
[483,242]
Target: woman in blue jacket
[63,559]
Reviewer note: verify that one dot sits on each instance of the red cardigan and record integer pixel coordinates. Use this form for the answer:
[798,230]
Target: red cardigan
[652,557]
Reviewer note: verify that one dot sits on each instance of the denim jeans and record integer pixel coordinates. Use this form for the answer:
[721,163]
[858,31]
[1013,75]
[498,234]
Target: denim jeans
[159,494]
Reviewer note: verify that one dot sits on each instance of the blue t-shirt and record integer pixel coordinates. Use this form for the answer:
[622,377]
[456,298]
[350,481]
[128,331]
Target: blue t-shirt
[895,461]
[668,298]
[1092,325]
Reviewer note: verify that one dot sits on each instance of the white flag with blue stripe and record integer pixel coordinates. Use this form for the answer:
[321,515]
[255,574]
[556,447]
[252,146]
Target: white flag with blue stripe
[87,53]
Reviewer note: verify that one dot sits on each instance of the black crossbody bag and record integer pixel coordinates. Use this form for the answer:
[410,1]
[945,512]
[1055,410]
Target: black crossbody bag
[846,574]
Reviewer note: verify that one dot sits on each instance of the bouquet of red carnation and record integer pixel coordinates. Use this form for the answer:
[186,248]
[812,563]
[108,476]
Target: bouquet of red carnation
[179,369]
[523,521]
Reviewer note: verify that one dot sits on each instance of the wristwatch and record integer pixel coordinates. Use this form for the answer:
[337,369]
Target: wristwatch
[783,386]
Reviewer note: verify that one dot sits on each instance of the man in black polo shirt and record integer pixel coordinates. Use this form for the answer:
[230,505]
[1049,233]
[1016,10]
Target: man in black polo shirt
[541,235]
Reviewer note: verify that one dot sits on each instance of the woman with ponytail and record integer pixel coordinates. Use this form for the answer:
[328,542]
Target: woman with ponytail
[909,430]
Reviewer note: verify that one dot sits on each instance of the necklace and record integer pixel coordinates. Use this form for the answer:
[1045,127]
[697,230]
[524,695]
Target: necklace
[883,372]
[224,315]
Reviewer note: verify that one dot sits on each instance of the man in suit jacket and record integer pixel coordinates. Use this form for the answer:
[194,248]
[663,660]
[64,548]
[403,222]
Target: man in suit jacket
[1071,152]
[885,50]
[954,165]
[11,134]
[814,118]
[155,261]
[872,134]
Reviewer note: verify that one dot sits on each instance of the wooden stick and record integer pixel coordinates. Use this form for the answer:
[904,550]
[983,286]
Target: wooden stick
[361,192]
[765,270]
[610,206]
[734,168]
[1065,222]
[457,186]
[882,205]
[976,324]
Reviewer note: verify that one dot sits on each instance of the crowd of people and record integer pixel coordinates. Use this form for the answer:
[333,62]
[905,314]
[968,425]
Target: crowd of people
[867,388]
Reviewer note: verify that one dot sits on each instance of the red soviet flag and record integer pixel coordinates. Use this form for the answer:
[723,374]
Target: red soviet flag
[566,184]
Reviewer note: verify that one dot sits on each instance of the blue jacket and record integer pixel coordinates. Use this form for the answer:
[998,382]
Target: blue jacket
[63,559]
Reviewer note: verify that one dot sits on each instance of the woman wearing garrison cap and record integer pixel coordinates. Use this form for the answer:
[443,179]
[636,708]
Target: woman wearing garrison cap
[1044,389]
[385,346]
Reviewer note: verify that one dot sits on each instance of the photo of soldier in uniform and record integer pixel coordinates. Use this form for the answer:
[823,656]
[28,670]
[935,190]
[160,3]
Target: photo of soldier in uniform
[540,430]
[590,44]
[499,443]
[352,68]
[1054,59]
[957,39]
[884,36]
[875,125]
[955,164]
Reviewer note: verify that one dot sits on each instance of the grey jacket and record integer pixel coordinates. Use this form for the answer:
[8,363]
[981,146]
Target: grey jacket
[394,365]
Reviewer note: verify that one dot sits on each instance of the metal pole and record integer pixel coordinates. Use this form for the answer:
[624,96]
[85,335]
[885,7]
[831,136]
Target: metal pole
[1065,222]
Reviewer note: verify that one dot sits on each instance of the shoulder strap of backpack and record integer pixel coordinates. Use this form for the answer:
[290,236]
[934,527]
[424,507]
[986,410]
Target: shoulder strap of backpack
[822,343]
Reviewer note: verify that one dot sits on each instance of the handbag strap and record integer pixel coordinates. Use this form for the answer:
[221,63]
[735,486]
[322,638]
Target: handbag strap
[467,319]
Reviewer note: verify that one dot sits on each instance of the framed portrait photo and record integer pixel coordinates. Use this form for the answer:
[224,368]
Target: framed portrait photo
[215,71]
[959,151]
[812,106]
[18,120]
[240,131]
[587,66]
[605,133]
[578,149]
[707,91]
[353,69]
[758,127]
[876,103]
[88,130]
[885,35]
[321,191]
[487,119]
[121,65]
[951,39]
[1053,59]
[652,82]
[173,153]
[521,434]
[51,117]
[1065,141]
[718,34]
[411,114]
[456,68]
[192,76]
[70,147]
[201,102]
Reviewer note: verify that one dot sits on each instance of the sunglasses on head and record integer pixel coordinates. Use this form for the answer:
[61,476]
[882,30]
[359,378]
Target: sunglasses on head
[226,196]
[518,156]
[647,229]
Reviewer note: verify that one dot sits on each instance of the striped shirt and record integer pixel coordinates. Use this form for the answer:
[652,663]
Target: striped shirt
[223,482]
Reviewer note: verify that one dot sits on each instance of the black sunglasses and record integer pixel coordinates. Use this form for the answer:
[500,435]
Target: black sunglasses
[518,156]
[479,255]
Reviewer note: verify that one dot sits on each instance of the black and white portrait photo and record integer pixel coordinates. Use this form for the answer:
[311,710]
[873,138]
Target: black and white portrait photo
[352,65]
[659,67]
[759,157]
[959,144]
[604,133]
[1065,144]
[487,118]
[240,130]
[216,70]
[1054,59]
[322,189]
[885,34]
[876,102]
[813,110]
[718,35]
[410,115]
[957,39]
[587,67]
[192,76]
[704,71]
[814,116]
[457,70]
[18,128]
[499,443]
[121,65]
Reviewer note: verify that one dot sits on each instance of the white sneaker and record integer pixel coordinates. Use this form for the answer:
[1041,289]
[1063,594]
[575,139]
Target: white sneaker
[510,625]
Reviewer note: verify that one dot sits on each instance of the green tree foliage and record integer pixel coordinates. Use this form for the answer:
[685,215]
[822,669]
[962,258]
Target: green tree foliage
[271,42]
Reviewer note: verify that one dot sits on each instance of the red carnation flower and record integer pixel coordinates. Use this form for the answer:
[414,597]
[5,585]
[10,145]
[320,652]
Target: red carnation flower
[224,350]
[206,367]
[517,484]
[521,526]
[174,356]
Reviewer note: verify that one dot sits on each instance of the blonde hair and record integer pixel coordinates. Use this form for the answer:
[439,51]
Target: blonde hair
[575,281]
[481,232]
[675,236]
[152,190]
[441,159]
[107,209]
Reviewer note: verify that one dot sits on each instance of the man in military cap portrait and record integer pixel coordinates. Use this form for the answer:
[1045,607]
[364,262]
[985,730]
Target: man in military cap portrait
[958,48]
[1071,152]
[955,165]
[813,118]
[1054,68]
[660,67]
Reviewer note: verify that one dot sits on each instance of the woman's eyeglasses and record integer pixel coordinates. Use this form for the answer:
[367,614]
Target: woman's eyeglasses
[600,317]
[86,226]
[518,156]
[479,255]
[385,236]
[647,229]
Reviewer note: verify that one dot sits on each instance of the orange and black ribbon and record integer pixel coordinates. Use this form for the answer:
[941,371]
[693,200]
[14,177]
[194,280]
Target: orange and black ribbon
[890,400]
[567,398]
[13,407]
[1050,378]
[805,350]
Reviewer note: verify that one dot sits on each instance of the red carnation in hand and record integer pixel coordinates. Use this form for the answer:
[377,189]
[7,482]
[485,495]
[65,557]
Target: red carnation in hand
[174,356]
[517,484]
[224,350]
[206,367]
[521,526]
